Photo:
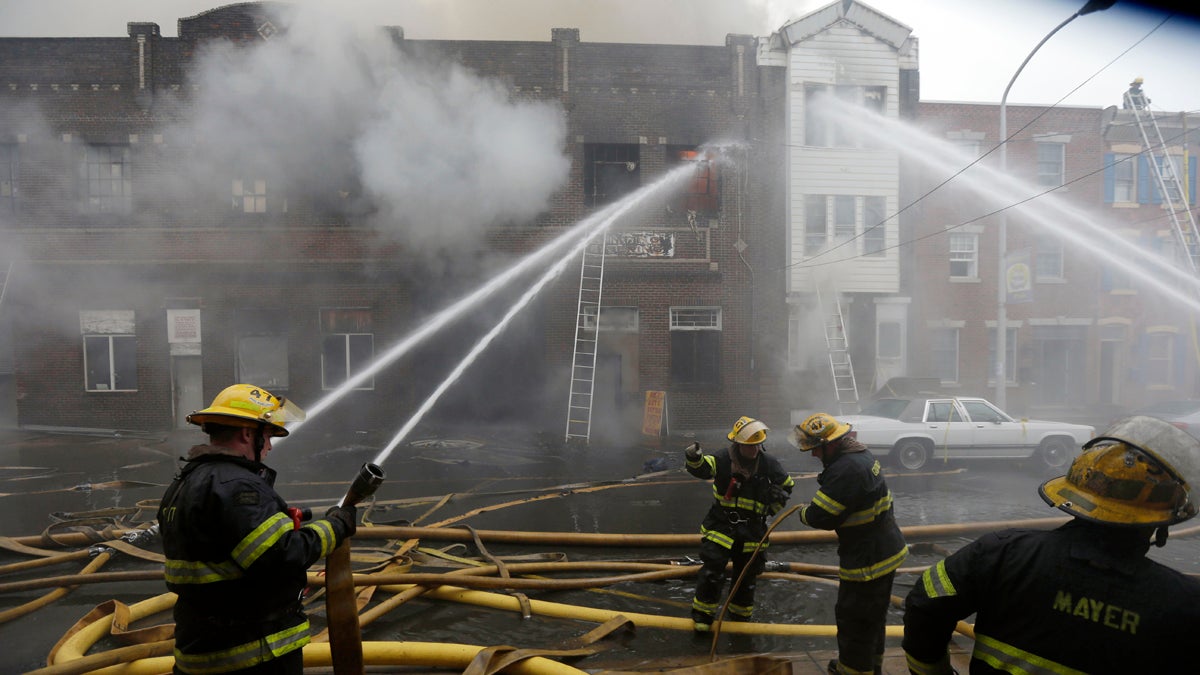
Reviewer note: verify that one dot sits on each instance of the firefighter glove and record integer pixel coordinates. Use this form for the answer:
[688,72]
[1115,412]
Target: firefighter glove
[693,452]
[344,519]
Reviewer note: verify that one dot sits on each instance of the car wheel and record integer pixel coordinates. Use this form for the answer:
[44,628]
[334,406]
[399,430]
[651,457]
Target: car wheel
[1056,453]
[911,454]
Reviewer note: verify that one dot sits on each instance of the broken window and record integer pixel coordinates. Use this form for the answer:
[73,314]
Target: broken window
[262,348]
[695,345]
[610,171]
[700,195]
[347,346]
[106,181]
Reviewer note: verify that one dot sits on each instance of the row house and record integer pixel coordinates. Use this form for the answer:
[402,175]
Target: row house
[130,300]
[1092,330]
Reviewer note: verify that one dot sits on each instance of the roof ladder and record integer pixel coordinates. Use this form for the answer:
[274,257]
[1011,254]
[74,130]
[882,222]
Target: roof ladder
[1166,176]
[4,286]
[840,366]
[587,333]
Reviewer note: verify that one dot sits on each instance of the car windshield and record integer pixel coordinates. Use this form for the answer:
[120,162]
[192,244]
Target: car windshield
[886,407]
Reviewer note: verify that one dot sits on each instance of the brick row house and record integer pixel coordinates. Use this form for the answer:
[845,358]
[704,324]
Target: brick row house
[817,185]
[130,300]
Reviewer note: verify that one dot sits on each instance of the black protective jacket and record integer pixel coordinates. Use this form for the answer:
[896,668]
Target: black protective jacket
[237,563]
[854,501]
[741,504]
[1080,598]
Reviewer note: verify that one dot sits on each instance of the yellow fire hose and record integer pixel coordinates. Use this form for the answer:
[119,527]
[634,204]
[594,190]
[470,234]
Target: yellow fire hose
[33,605]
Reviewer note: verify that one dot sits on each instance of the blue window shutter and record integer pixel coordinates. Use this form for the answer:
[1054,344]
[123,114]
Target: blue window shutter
[1110,177]
[1143,179]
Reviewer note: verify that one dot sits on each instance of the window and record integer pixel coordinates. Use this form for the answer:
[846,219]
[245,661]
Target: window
[107,187]
[814,224]
[1049,260]
[1010,355]
[944,354]
[347,346]
[262,347]
[1124,178]
[979,411]
[700,195]
[844,218]
[820,121]
[943,411]
[109,350]
[8,178]
[612,319]
[695,345]
[968,147]
[1051,164]
[964,255]
[610,171]
[874,226]
[1160,352]
[250,196]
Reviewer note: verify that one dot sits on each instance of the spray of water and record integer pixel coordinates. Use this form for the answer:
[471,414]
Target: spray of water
[595,227]
[1069,223]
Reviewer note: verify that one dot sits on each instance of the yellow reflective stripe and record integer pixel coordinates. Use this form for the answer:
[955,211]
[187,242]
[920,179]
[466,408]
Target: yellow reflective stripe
[719,538]
[788,482]
[706,607]
[741,610]
[244,655]
[827,504]
[870,513]
[324,530]
[843,669]
[200,572]
[875,571]
[916,667]
[1003,656]
[261,538]
[937,582]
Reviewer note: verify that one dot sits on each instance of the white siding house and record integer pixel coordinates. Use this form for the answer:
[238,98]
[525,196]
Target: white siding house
[844,65]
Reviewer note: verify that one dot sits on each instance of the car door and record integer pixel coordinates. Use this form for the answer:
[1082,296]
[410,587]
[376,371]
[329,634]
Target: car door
[996,434]
[953,436]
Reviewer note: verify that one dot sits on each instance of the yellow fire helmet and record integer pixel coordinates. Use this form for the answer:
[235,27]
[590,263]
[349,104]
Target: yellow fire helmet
[748,431]
[1139,472]
[818,429]
[245,405]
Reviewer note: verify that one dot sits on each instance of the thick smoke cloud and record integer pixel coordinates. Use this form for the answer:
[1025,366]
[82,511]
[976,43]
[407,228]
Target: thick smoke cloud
[437,151]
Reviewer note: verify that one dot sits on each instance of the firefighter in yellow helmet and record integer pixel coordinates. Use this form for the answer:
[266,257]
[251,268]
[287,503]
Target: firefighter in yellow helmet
[236,556]
[1082,598]
[1135,97]
[854,500]
[748,485]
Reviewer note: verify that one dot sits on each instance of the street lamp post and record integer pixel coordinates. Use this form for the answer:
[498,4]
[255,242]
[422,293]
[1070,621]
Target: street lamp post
[1002,230]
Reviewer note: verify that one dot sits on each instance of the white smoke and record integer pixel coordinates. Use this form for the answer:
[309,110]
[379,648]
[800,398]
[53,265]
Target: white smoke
[438,151]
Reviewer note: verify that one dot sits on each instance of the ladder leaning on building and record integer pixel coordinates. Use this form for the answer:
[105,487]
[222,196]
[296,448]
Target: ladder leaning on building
[840,366]
[587,334]
[1166,176]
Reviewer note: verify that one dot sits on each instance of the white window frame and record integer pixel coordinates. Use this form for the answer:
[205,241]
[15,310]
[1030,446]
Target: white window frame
[250,196]
[616,319]
[1160,357]
[107,186]
[1124,178]
[349,368]
[1048,263]
[1051,171]
[113,381]
[964,248]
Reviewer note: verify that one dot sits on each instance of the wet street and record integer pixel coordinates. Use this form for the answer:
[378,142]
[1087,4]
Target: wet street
[499,480]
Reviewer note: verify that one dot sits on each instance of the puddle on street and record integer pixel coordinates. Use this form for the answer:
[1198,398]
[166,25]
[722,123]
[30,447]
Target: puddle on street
[47,477]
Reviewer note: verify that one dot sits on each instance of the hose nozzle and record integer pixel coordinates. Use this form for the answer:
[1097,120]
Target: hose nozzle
[365,483]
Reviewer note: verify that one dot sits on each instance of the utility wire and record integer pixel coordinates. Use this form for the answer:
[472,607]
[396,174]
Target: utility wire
[804,264]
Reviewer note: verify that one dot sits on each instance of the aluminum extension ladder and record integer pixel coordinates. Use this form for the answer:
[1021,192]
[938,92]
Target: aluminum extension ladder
[840,365]
[587,334]
[4,285]
[1166,175]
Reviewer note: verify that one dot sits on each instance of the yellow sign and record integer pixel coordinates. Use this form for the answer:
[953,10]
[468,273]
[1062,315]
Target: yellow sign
[653,416]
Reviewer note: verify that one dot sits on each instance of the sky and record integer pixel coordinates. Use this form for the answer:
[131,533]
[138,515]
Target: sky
[969,49]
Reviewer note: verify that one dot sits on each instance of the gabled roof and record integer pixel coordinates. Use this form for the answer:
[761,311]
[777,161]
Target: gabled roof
[869,20]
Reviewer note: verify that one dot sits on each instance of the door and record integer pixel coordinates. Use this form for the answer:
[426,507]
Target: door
[952,435]
[996,434]
[187,387]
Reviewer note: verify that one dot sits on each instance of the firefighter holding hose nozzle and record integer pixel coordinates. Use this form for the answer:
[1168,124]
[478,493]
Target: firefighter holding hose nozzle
[1082,598]
[748,486]
[235,557]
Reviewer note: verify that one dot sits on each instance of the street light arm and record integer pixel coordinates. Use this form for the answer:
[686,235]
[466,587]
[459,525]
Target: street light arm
[1035,50]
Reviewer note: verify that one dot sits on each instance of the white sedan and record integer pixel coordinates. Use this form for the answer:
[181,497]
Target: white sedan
[915,430]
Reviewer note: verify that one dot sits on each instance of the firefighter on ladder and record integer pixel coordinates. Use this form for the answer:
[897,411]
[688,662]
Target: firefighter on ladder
[1135,98]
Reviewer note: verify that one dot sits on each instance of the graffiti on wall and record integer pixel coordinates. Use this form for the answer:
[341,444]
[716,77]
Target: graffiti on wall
[640,245]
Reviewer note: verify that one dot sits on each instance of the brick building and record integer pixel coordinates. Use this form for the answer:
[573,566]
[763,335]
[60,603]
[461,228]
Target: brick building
[136,290]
